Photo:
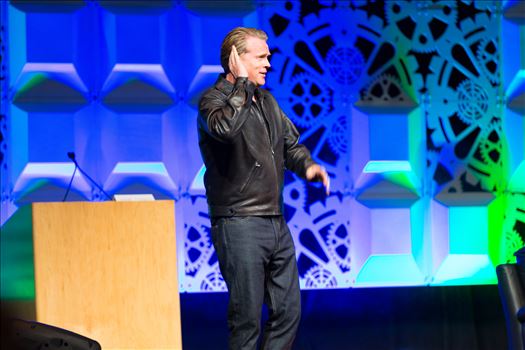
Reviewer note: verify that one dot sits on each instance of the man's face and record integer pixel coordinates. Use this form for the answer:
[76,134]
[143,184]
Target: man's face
[255,59]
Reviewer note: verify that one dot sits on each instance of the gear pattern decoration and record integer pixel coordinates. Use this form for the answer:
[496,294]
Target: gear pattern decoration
[513,241]
[339,135]
[197,242]
[322,237]
[384,90]
[420,25]
[213,282]
[323,244]
[295,194]
[338,242]
[323,60]
[319,278]
[309,99]
[464,109]
[328,55]
[487,55]
[464,124]
[513,227]
[421,28]
[201,268]
[345,64]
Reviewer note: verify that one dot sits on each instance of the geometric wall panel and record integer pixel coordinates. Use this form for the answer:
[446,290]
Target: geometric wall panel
[516,93]
[515,130]
[40,168]
[134,177]
[389,239]
[137,89]
[513,11]
[49,87]
[204,78]
[387,156]
[460,241]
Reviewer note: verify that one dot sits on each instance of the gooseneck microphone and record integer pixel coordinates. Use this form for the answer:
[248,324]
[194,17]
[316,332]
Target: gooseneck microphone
[71,180]
[71,155]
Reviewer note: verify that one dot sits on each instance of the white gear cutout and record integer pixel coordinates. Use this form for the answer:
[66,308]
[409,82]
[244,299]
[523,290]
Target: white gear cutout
[488,58]
[214,282]
[294,194]
[319,278]
[338,242]
[339,138]
[197,244]
[308,99]
[346,64]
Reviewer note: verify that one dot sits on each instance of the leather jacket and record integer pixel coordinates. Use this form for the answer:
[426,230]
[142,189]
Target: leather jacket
[246,147]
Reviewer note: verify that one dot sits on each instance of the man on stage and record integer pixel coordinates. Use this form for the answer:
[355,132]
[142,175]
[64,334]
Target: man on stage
[247,142]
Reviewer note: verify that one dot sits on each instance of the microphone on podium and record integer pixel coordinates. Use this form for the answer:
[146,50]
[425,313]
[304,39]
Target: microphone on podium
[71,155]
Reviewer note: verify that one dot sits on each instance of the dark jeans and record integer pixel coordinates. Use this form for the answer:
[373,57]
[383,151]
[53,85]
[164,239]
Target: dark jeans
[257,260]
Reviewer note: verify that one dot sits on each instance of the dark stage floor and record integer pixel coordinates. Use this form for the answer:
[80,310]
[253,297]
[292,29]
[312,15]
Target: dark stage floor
[465,318]
[415,318]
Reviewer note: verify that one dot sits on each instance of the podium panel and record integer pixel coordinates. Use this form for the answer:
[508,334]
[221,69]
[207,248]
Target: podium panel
[108,271]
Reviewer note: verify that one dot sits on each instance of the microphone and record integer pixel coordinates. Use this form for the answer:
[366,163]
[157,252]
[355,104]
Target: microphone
[71,155]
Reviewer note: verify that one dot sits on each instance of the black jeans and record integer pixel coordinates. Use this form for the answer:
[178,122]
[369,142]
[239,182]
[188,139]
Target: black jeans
[257,260]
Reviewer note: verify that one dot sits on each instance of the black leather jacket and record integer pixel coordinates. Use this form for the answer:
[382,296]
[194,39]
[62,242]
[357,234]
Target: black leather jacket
[244,158]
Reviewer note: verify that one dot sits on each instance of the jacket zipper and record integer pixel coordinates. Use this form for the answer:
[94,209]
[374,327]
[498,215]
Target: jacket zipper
[250,176]
[266,126]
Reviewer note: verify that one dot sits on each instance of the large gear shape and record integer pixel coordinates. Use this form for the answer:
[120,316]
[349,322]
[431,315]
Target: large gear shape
[295,194]
[338,242]
[309,99]
[196,248]
[290,9]
[319,278]
[385,88]
[472,102]
[339,138]
[466,109]
[488,58]
[513,242]
[491,147]
[197,244]
[488,163]
[282,15]
[463,94]
[346,64]
[420,25]
[214,282]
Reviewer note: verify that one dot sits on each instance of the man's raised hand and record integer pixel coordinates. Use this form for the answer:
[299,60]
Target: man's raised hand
[237,68]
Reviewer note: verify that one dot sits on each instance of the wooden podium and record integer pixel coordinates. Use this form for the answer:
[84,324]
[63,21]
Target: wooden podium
[108,271]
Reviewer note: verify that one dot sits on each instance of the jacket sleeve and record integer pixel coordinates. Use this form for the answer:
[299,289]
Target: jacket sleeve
[222,117]
[296,155]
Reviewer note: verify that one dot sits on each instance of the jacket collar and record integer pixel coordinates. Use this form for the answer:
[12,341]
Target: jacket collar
[223,85]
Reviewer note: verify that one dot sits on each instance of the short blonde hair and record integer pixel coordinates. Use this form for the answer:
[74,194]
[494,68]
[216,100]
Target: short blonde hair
[237,37]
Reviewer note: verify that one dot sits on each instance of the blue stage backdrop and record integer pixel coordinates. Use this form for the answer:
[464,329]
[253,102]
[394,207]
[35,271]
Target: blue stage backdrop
[415,108]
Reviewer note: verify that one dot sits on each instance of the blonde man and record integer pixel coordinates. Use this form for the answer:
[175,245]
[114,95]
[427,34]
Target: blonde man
[247,142]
